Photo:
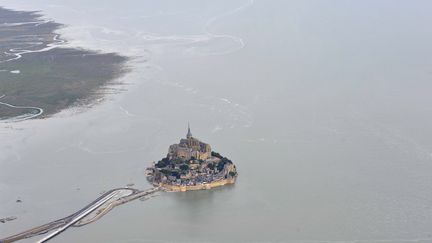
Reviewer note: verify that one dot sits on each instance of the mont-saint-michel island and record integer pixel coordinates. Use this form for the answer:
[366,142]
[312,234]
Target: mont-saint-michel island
[191,165]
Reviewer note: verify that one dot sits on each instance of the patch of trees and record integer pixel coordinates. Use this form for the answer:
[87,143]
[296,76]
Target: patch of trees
[165,171]
[184,167]
[211,166]
[225,160]
[232,173]
[168,172]
[167,162]
[163,163]
[175,174]
[177,161]
[220,165]
[216,154]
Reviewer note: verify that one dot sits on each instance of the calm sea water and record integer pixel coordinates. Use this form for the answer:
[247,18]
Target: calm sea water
[323,106]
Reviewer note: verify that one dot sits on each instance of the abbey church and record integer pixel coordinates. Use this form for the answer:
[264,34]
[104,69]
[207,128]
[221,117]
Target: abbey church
[189,148]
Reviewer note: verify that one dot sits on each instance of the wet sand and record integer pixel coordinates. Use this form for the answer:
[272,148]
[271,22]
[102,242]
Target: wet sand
[40,77]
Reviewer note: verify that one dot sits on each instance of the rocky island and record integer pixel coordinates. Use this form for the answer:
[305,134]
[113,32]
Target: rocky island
[191,165]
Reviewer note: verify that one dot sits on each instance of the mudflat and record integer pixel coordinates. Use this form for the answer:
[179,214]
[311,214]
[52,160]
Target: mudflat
[39,77]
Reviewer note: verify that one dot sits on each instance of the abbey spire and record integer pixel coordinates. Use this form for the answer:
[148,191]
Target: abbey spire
[189,134]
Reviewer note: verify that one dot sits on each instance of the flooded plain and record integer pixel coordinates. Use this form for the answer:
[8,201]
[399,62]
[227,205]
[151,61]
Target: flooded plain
[323,107]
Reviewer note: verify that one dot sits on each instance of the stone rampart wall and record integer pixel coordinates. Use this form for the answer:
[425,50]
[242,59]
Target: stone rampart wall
[175,188]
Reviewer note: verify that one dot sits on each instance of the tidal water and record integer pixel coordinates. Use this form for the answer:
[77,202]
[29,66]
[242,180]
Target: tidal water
[324,106]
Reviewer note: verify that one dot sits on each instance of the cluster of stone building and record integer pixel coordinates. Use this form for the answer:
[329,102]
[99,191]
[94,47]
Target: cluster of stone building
[191,164]
[198,173]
